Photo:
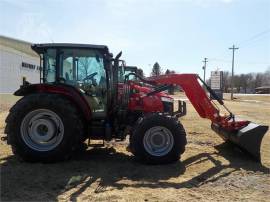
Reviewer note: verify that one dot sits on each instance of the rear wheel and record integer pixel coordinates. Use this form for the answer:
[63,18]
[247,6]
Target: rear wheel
[44,127]
[158,139]
[42,130]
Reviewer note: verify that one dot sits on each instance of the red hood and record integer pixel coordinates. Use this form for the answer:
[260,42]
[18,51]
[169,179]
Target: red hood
[144,89]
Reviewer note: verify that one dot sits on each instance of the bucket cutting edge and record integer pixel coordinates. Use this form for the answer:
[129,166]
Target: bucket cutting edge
[248,138]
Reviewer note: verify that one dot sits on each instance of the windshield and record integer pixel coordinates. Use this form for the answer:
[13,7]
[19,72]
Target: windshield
[82,66]
[131,77]
[125,70]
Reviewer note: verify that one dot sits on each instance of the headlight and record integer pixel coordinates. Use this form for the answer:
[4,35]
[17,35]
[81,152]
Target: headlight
[166,99]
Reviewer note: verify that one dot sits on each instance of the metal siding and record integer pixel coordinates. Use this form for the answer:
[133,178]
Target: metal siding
[11,70]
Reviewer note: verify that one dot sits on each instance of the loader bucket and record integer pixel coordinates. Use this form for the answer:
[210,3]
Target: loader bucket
[248,139]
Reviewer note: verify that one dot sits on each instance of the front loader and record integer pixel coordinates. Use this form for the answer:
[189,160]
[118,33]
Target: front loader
[78,98]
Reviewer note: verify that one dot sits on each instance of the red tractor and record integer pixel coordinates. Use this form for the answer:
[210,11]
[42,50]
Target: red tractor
[77,98]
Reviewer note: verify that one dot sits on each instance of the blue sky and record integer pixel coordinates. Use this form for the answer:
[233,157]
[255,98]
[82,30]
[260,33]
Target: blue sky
[176,33]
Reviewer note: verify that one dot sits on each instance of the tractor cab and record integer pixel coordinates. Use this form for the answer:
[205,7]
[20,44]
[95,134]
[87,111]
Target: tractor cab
[84,67]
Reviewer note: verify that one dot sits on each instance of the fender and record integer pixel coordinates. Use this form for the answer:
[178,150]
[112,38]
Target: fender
[70,92]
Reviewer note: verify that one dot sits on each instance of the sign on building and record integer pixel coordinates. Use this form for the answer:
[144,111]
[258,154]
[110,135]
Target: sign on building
[31,66]
[216,82]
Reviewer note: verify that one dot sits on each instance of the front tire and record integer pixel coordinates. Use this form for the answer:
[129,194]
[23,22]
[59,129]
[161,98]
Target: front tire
[158,139]
[44,128]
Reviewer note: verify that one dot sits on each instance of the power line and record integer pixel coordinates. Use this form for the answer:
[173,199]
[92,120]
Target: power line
[254,43]
[242,62]
[220,60]
[233,48]
[256,36]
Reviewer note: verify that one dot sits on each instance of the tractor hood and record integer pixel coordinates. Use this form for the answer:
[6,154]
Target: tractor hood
[145,90]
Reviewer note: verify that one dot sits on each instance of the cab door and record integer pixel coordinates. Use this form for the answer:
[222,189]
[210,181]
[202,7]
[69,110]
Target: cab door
[85,70]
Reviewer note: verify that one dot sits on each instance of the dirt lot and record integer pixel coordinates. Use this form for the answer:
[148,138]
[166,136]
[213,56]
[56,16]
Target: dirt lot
[209,170]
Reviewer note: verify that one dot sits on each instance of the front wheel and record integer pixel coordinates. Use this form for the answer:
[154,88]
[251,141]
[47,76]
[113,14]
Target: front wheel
[158,139]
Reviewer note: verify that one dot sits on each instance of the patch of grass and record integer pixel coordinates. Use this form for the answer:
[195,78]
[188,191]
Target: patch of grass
[7,100]
[208,170]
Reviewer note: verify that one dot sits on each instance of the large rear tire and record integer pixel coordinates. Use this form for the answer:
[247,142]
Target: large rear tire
[158,139]
[44,128]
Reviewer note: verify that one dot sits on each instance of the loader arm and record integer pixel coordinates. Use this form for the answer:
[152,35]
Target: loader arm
[194,92]
[245,134]
[199,99]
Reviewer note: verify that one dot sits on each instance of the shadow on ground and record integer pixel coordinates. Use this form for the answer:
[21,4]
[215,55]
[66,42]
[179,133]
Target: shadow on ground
[107,169]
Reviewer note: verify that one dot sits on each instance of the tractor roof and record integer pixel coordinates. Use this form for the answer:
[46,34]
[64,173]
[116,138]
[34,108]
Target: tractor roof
[131,67]
[40,48]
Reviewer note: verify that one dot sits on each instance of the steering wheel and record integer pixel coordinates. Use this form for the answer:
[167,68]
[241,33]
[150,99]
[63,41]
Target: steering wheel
[61,79]
[90,76]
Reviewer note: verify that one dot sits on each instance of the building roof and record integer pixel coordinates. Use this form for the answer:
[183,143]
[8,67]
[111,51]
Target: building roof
[17,44]
[262,87]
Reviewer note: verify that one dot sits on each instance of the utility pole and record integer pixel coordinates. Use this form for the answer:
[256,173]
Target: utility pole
[204,68]
[233,48]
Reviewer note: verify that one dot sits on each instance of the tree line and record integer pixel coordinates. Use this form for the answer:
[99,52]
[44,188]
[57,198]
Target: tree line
[243,83]
[246,83]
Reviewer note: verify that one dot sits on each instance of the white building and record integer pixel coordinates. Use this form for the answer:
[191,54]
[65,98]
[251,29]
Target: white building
[17,62]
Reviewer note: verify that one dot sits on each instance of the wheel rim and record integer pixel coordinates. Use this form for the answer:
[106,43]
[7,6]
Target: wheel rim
[42,130]
[158,141]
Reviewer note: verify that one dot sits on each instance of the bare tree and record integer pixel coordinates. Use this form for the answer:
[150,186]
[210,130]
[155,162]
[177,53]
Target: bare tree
[266,77]
[84,63]
[225,81]
[247,83]
[258,80]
